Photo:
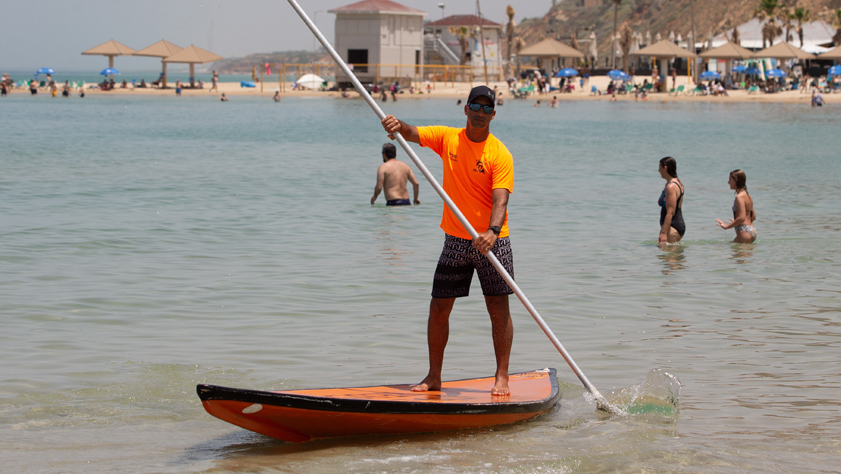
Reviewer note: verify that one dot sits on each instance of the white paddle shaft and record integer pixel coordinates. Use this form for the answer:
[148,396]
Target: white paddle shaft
[600,400]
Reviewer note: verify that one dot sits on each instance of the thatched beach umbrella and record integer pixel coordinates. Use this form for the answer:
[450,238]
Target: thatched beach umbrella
[110,48]
[664,50]
[162,49]
[783,51]
[728,51]
[834,53]
[193,55]
[551,49]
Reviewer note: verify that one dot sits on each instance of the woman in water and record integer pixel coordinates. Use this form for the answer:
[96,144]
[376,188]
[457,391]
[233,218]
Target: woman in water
[672,226]
[743,211]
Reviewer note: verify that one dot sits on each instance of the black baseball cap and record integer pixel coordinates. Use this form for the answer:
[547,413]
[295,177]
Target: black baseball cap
[481,91]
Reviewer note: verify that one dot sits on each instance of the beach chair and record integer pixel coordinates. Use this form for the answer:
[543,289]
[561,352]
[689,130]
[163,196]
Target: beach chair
[699,90]
[753,89]
[679,90]
[648,87]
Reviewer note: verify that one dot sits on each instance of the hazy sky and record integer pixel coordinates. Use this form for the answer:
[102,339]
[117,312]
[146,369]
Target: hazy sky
[53,33]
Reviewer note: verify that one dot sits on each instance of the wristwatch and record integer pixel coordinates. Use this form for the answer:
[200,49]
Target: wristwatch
[495,229]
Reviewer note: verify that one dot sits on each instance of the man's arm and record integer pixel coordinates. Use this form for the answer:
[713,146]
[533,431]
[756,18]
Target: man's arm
[486,240]
[392,126]
[379,186]
[415,184]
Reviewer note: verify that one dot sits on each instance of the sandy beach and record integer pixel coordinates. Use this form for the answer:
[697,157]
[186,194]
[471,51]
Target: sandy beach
[459,90]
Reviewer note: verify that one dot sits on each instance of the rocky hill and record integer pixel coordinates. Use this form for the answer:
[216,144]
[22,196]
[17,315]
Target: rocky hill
[657,16]
[244,65]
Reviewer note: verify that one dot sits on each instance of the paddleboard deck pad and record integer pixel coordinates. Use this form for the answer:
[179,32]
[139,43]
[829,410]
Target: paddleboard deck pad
[302,415]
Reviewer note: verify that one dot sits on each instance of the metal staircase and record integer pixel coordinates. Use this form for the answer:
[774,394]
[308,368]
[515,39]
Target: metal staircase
[435,48]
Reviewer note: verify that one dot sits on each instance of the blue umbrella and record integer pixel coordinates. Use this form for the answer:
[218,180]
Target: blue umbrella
[752,71]
[618,75]
[835,70]
[568,72]
[739,68]
[775,73]
[45,70]
[109,71]
[710,75]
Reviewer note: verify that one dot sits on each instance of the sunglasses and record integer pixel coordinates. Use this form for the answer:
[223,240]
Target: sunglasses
[488,109]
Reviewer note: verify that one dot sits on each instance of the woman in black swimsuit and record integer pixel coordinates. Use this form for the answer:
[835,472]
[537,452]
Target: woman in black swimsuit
[672,226]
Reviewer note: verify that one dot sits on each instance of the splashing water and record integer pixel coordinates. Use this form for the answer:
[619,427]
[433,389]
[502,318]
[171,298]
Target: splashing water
[658,395]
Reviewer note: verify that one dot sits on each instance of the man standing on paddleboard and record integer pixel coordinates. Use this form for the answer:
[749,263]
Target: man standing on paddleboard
[392,176]
[478,177]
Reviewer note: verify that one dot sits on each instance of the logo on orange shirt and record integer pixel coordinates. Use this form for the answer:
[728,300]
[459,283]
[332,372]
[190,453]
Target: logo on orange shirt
[453,156]
[480,167]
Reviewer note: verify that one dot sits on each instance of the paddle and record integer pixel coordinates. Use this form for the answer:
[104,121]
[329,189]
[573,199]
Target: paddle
[601,402]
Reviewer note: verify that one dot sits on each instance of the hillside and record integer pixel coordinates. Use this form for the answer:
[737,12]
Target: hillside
[244,65]
[656,16]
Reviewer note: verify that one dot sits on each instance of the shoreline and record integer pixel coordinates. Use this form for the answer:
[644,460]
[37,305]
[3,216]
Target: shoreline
[460,91]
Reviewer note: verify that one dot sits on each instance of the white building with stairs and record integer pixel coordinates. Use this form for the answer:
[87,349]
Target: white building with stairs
[442,46]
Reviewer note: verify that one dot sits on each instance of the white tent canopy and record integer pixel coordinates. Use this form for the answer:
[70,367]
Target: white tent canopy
[310,81]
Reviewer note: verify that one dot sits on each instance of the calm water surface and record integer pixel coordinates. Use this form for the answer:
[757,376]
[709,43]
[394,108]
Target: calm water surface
[150,244]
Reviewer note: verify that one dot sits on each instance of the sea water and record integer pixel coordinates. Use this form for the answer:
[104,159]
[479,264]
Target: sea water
[148,244]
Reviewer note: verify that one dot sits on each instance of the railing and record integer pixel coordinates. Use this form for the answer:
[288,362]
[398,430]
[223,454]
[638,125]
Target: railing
[417,74]
[436,44]
[413,73]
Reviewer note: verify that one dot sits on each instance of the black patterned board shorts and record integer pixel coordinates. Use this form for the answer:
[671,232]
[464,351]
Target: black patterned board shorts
[455,268]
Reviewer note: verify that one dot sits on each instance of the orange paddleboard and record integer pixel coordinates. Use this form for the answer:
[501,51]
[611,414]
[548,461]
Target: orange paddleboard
[302,415]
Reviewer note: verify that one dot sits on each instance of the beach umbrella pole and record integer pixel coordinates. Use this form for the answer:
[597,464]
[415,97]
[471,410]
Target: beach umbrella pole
[601,402]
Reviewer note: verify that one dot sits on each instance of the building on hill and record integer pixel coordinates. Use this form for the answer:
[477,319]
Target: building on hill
[442,46]
[375,35]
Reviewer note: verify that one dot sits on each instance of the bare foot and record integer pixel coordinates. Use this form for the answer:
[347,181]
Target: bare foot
[429,384]
[500,388]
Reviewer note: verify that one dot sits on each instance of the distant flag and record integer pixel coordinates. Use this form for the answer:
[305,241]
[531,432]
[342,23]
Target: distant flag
[268,70]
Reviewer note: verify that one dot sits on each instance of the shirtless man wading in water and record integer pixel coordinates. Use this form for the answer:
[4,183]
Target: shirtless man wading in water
[392,175]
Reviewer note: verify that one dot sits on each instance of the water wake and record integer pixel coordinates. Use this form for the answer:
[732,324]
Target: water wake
[658,395]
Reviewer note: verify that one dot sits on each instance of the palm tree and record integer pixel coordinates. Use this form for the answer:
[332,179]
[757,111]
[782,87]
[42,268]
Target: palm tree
[801,16]
[616,4]
[625,39]
[509,30]
[768,9]
[837,22]
[770,31]
[519,44]
[786,22]
[462,33]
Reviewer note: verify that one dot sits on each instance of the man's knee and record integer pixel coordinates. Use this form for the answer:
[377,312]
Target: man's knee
[441,307]
[498,306]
